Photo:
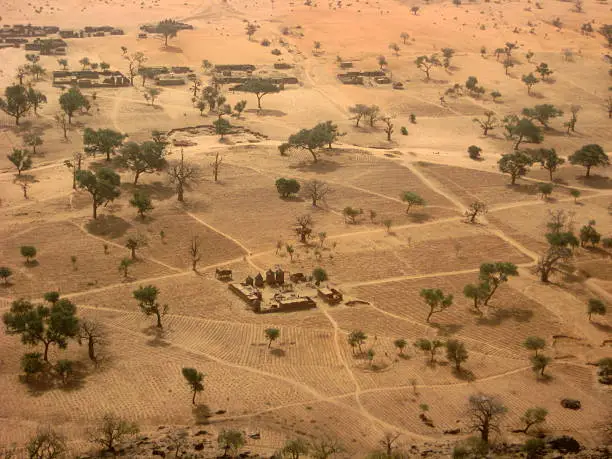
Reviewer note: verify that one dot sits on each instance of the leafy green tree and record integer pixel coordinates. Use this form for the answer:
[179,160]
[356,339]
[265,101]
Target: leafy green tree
[357,338]
[430,347]
[168,28]
[533,416]
[64,368]
[104,141]
[71,101]
[287,187]
[436,300]
[545,189]
[495,95]
[530,80]
[456,353]
[29,252]
[39,324]
[272,334]
[63,63]
[589,156]
[46,444]
[351,213]
[539,363]
[36,99]
[521,129]
[147,300]
[542,113]
[51,297]
[534,448]
[426,63]
[575,194]
[400,344]
[111,429]
[516,164]
[478,293]
[447,55]
[231,440]
[21,159]
[588,233]
[15,102]
[32,364]
[143,158]
[222,127]
[295,448]
[32,139]
[141,201]
[151,94]
[103,186]
[485,412]
[412,199]
[549,160]
[194,380]
[534,343]
[311,139]
[382,62]
[605,370]
[495,274]
[124,266]
[319,275]
[260,88]
[359,111]
[596,306]
[543,70]
[5,273]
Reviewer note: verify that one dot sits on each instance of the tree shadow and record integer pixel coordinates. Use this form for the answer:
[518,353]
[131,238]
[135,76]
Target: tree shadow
[292,199]
[464,374]
[31,263]
[172,49]
[419,217]
[277,352]
[529,189]
[267,112]
[320,167]
[602,327]
[500,315]
[446,329]
[156,190]
[595,181]
[201,414]
[108,226]
[157,335]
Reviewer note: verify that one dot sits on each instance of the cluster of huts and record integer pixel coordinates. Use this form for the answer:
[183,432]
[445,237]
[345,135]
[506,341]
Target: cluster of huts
[91,31]
[13,36]
[90,79]
[241,73]
[284,299]
[168,76]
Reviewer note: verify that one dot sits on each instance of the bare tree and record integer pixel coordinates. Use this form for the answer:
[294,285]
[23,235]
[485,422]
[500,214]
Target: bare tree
[216,166]
[195,252]
[484,414]
[316,191]
[62,121]
[388,120]
[182,175]
[94,334]
[111,429]
[179,439]
[487,124]
[388,442]
[75,165]
[46,444]
[325,448]
[24,183]
[476,208]
[304,227]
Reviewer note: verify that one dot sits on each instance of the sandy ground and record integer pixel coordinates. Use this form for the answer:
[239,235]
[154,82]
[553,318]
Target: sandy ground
[311,383]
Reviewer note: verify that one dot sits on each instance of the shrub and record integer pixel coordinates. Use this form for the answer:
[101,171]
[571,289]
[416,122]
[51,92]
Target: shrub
[403,130]
[413,118]
[276,52]
[265,42]
[474,152]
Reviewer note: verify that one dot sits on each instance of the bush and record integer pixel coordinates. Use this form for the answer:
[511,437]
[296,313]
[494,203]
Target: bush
[287,187]
[413,118]
[474,152]
[404,131]
[265,42]
[607,242]
[29,252]
[276,52]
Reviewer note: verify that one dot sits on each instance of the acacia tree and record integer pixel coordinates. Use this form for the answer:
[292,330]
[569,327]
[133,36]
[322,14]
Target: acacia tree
[475,209]
[260,88]
[533,416]
[103,185]
[168,28]
[485,412]
[549,160]
[516,164]
[427,63]
[412,199]
[111,430]
[230,440]
[182,174]
[143,158]
[142,202]
[530,81]
[40,324]
[456,353]
[429,347]
[436,300]
[534,343]
[316,191]
[596,306]
[147,300]
[5,273]
[15,102]
[542,113]
[487,124]
[272,334]
[36,98]
[478,293]
[104,141]
[71,101]
[521,129]
[495,274]
[589,156]
[21,159]
[357,338]
[194,380]
[46,444]
[310,139]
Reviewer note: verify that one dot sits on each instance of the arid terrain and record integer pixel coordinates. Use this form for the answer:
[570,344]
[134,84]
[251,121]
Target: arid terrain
[313,382]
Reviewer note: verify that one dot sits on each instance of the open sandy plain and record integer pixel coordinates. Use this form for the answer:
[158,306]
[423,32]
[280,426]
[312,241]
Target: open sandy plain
[311,384]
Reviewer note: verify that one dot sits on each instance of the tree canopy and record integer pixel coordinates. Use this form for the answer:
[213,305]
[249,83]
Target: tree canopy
[15,102]
[259,87]
[71,101]
[143,158]
[589,156]
[103,185]
[103,141]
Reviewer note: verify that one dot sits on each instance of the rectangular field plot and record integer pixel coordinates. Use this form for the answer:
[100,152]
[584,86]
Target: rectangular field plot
[56,243]
[500,331]
[492,188]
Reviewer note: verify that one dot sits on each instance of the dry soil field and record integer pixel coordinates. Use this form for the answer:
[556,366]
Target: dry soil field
[311,382]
